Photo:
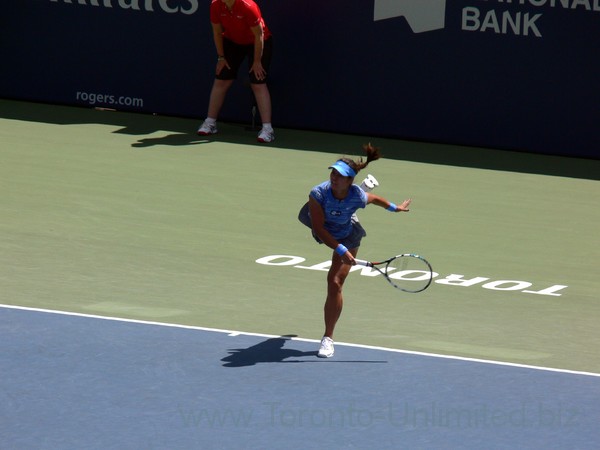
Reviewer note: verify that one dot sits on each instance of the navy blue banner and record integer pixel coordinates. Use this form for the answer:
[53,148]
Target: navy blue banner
[511,74]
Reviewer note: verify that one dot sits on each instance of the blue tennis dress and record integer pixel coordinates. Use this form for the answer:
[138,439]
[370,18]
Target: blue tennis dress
[338,213]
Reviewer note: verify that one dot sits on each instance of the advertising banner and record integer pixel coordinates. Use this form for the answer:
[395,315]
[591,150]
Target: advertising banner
[509,74]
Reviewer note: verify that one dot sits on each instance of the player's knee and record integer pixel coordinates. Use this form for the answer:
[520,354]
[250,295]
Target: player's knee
[336,282]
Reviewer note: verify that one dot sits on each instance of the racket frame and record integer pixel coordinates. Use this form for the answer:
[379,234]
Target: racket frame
[387,262]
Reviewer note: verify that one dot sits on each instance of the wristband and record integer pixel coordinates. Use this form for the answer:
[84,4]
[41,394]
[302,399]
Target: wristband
[392,207]
[341,249]
[220,58]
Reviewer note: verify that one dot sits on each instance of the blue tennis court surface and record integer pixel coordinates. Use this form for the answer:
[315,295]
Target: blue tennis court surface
[80,382]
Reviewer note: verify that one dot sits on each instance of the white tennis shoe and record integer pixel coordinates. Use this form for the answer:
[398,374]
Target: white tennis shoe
[266,135]
[326,350]
[369,183]
[207,129]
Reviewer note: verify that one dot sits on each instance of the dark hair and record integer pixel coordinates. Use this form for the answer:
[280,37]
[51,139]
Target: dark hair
[372,155]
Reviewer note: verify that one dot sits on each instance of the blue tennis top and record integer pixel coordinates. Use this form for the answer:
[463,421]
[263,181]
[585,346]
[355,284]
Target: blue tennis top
[339,212]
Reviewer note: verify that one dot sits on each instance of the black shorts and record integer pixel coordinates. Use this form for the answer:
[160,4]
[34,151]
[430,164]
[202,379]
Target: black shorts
[235,55]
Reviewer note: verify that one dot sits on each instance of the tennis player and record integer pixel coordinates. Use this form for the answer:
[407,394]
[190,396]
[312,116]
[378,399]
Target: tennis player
[330,213]
[240,32]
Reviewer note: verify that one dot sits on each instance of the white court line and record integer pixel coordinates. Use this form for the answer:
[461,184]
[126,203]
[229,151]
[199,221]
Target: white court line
[347,344]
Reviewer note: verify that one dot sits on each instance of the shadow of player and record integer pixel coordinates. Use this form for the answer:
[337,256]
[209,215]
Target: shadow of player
[270,351]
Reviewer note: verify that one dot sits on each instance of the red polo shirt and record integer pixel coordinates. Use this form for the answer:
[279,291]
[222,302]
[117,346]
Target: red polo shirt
[237,22]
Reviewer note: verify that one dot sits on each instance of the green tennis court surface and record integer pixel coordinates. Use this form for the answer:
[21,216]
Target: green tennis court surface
[135,216]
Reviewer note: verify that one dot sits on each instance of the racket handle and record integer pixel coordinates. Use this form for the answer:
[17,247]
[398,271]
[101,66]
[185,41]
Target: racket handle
[361,262]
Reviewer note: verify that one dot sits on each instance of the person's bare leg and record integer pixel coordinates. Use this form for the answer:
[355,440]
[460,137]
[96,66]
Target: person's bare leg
[263,101]
[335,301]
[217,97]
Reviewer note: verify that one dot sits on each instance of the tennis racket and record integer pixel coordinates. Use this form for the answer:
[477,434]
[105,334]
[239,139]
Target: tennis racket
[407,272]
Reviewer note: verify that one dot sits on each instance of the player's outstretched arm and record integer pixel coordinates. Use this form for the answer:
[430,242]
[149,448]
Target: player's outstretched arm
[380,201]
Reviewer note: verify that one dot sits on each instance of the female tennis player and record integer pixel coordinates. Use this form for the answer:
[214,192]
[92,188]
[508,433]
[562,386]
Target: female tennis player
[330,213]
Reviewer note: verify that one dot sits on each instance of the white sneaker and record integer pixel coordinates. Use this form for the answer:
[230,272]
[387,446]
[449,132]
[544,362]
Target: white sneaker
[326,350]
[207,129]
[266,135]
[369,183]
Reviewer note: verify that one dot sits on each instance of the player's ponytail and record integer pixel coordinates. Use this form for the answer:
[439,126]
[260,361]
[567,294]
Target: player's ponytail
[372,155]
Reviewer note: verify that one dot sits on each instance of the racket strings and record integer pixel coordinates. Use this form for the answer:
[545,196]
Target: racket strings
[409,272]
[404,263]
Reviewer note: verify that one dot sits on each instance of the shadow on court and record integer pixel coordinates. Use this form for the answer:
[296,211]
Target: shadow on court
[273,350]
[183,133]
[270,351]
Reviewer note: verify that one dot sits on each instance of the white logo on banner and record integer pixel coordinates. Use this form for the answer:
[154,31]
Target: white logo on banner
[146,5]
[430,15]
[421,15]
